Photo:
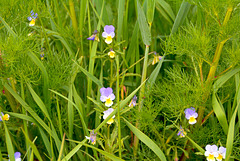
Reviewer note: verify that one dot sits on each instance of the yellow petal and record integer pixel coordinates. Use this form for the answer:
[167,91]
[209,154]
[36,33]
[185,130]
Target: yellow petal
[110,121]
[32,23]
[6,117]
[108,40]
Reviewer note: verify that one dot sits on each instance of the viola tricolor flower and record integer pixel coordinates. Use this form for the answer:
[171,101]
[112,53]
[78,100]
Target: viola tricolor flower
[94,36]
[17,156]
[107,113]
[92,138]
[108,33]
[33,18]
[221,153]
[107,96]
[111,53]
[191,115]
[4,117]
[211,152]
[133,102]
[181,132]
[156,58]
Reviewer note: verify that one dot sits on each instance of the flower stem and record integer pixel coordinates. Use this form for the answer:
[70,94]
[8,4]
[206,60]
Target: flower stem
[119,121]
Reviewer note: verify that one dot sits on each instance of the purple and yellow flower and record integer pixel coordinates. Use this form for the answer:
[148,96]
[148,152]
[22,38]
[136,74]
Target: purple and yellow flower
[221,153]
[17,156]
[92,138]
[191,115]
[211,152]
[33,18]
[107,96]
[4,117]
[94,36]
[133,102]
[111,53]
[107,113]
[156,58]
[42,56]
[181,132]
[108,33]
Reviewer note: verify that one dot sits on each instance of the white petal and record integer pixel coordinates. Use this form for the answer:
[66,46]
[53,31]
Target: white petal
[103,98]
[206,153]
[112,34]
[112,96]
[104,34]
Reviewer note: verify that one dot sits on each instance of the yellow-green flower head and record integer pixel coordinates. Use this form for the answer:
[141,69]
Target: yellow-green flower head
[33,18]
[111,53]
[92,138]
[107,96]
[108,33]
[191,115]
[211,152]
[107,113]
[4,117]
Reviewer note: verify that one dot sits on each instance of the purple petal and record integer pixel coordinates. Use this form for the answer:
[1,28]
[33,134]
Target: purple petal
[109,28]
[91,37]
[222,150]
[17,155]
[106,91]
[29,18]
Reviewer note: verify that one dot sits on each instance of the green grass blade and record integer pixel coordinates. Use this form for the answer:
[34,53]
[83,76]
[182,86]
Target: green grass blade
[196,145]
[61,150]
[74,151]
[150,11]
[8,28]
[39,102]
[70,113]
[182,14]
[224,78]
[46,143]
[33,146]
[220,113]
[147,141]
[9,143]
[110,156]
[142,21]
[154,74]
[167,8]
[120,19]
[85,129]
[230,136]
[37,61]
[90,76]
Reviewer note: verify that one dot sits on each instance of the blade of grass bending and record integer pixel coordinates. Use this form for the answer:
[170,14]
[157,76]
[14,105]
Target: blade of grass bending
[110,156]
[196,145]
[220,113]
[85,129]
[34,148]
[142,21]
[167,8]
[61,150]
[32,112]
[8,28]
[8,142]
[163,13]
[74,151]
[152,78]
[38,101]
[230,136]
[91,76]
[182,14]
[146,140]
[37,61]
[224,78]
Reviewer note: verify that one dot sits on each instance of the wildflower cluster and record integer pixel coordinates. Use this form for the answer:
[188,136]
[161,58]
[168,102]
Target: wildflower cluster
[212,152]
[32,18]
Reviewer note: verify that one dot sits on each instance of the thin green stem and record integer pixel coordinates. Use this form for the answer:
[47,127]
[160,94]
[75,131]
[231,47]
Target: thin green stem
[119,121]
